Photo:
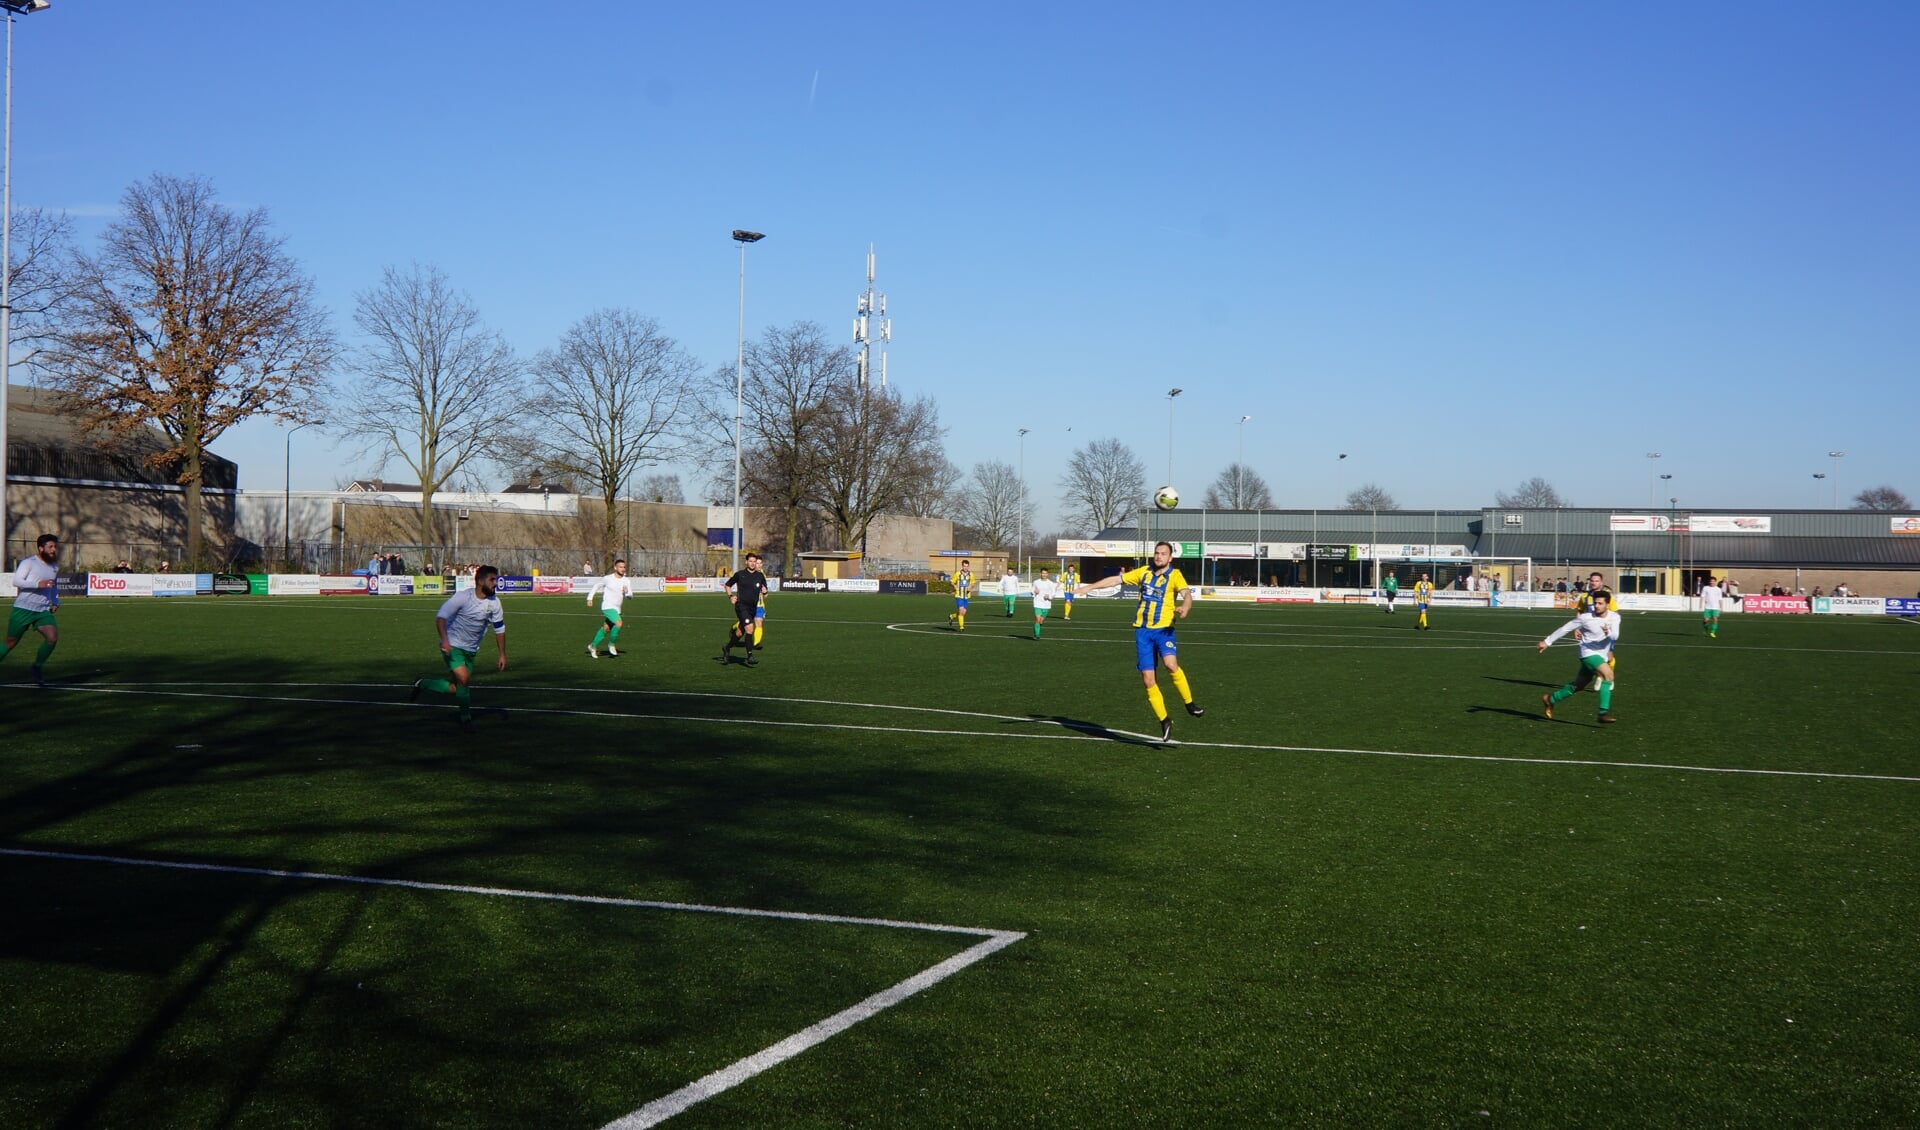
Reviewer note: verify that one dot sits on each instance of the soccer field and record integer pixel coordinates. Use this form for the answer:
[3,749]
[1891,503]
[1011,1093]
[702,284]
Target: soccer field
[900,876]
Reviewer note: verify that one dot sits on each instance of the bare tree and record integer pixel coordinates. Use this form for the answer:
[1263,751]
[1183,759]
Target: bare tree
[1881,498]
[604,403]
[436,387]
[878,451]
[939,497]
[787,374]
[1370,496]
[1534,494]
[41,280]
[1105,482]
[662,488]
[191,318]
[1239,487]
[990,505]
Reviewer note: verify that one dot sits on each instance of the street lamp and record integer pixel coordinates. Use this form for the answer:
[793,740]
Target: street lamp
[1239,468]
[1171,393]
[743,237]
[11,8]
[1817,492]
[1650,469]
[1020,511]
[286,502]
[1836,457]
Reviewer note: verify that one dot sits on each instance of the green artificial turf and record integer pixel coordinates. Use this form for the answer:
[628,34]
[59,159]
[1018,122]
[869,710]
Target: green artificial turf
[1371,886]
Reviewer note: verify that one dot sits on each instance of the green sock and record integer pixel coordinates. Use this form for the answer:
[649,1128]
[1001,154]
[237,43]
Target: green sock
[464,696]
[437,686]
[1564,692]
[613,634]
[46,649]
[599,637]
[1606,696]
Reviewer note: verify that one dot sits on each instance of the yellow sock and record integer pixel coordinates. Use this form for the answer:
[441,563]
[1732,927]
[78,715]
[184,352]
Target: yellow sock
[758,632]
[962,616]
[1158,701]
[1180,684]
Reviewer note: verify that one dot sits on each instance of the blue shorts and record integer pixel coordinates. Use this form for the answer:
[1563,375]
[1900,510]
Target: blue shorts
[960,603]
[1149,644]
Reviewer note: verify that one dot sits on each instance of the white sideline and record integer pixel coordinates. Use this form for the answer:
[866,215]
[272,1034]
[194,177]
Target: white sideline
[665,1107]
[1106,733]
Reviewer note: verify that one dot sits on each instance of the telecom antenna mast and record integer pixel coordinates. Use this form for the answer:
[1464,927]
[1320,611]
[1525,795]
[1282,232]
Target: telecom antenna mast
[870,321]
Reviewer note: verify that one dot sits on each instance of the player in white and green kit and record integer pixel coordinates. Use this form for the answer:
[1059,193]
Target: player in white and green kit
[463,622]
[612,590]
[1711,597]
[1598,630]
[37,587]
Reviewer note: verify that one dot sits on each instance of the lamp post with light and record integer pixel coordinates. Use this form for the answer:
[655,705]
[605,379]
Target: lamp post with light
[743,237]
[8,10]
[286,502]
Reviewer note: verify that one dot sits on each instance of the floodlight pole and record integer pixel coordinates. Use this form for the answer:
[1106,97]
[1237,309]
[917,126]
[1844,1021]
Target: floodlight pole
[743,237]
[1020,510]
[1817,492]
[1650,474]
[286,503]
[1836,456]
[8,10]
[1240,468]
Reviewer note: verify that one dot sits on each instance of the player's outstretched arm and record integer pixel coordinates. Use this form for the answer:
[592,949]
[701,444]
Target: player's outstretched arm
[1102,583]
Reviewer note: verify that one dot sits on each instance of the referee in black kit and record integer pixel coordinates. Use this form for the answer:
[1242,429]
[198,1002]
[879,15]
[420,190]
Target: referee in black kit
[746,588]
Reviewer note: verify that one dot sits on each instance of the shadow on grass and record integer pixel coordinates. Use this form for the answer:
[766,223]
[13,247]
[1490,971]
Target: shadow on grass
[1095,730]
[734,803]
[1533,715]
[1522,682]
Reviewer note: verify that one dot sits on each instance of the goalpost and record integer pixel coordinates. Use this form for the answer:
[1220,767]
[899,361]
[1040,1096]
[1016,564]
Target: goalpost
[1516,574]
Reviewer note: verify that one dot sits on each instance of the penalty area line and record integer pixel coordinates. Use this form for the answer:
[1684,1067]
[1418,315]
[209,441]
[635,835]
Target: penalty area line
[707,1086]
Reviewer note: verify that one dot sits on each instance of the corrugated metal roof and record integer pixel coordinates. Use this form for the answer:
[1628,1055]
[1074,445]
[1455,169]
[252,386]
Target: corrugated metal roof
[1810,539]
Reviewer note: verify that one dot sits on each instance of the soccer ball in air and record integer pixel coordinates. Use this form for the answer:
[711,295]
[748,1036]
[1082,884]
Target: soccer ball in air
[1166,498]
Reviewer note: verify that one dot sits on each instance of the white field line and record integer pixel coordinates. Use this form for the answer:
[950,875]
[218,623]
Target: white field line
[1106,733]
[665,1107]
[934,627]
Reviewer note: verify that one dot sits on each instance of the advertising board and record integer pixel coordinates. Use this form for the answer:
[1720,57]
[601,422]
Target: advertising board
[1267,594]
[1788,605]
[803,584]
[1906,525]
[556,585]
[650,585]
[430,586]
[507,584]
[117,584]
[904,588]
[233,584]
[853,584]
[174,584]
[1652,602]
[345,584]
[394,586]
[293,584]
[1850,605]
[1903,606]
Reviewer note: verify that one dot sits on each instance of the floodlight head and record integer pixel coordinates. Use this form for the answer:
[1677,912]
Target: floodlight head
[1835,454]
[25,7]
[1173,392]
[745,236]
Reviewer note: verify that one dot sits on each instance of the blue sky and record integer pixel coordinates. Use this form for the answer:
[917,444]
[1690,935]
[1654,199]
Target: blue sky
[1464,244]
